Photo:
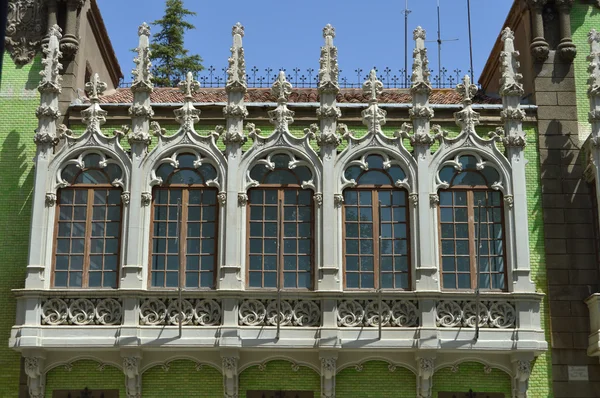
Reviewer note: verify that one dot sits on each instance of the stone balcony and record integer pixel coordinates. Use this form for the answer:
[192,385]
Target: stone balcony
[55,319]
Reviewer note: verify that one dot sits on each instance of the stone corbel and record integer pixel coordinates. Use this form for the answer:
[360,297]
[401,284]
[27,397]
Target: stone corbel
[328,371]
[230,377]
[539,46]
[521,372]
[36,378]
[69,44]
[566,48]
[425,368]
[133,376]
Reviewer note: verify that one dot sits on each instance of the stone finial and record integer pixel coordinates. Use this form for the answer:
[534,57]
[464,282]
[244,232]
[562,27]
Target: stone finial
[142,77]
[187,115]
[594,66]
[373,117]
[328,64]
[94,116]
[236,71]
[51,78]
[509,65]
[281,117]
[420,68]
[467,118]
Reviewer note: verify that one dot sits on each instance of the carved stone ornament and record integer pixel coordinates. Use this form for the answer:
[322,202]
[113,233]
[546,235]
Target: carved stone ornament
[373,117]
[187,115]
[420,69]
[50,199]
[36,379]
[81,311]
[146,198]
[393,313]
[133,380]
[297,313]
[51,78]
[222,198]
[142,76]
[125,197]
[318,198]
[338,200]
[414,199]
[242,199]
[467,118]
[25,29]
[281,116]
[490,314]
[94,116]
[510,77]
[328,63]
[236,71]
[522,371]
[434,199]
[234,136]
[509,200]
[165,311]
[594,64]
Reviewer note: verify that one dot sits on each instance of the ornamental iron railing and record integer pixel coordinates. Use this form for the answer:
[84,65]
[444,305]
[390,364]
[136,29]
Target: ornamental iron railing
[213,77]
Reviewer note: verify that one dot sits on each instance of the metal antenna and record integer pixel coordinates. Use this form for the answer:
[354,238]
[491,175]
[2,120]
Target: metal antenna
[477,254]
[470,40]
[406,11]
[439,43]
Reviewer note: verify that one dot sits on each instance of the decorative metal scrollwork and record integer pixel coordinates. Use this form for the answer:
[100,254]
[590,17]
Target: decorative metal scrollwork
[492,314]
[81,311]
[305,313]
[394,313]
[165,311]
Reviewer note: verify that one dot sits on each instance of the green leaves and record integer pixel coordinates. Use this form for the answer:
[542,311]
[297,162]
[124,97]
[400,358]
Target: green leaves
[169,57]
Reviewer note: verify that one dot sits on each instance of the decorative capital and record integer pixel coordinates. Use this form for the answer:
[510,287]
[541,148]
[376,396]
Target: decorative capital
[328,367]
[510,80]
[51,78]
[564,4]
[236,71]
[146,198]
[426,366]
[222,198]
[142,76]
[467,119]
[434,199]
[537,4]
[50,199]
[338,200]
[318,198]
[420,70]
[328,63]
[242,199]
[131,366]
[281,116]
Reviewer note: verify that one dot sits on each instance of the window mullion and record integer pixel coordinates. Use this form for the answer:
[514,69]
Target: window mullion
[88,238]
[280,211]
[472,248]
[183,235]
[376,238]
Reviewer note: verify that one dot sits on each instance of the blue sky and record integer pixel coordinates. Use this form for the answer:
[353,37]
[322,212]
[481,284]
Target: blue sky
[289,34]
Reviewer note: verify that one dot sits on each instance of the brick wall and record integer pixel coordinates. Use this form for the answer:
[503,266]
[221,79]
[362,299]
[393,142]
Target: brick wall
[279,375]
[471,375]
[182,378]
[376,379]
[85,373]
[19,99]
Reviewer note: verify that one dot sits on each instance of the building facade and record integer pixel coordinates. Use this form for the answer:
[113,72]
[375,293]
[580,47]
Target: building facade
[290,242]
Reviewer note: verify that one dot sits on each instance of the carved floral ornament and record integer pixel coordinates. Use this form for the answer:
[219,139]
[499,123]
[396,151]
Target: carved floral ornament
[25,29]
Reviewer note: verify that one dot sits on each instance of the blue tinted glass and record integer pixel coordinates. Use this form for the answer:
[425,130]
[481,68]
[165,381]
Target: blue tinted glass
[375,162]
[281,161]
[396,173]
[188,177]
[92,161]
[469,179]
[468,162]
[352,172]
[186,161]
[491,175]
[303,173]
[164,171]
[113,171]
[208,171]
[258,172]
[92,177]
[282,177]
[447,173]
[375,178]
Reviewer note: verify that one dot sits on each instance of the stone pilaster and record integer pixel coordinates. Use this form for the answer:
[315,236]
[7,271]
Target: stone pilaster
[36,378]
[539,46]
[235,112]
[230,376]
[566,48]
[330,274]
[515,207]
[133,374]
[425,368]
[520,380]
[139,138]
[328,372]
[46,137]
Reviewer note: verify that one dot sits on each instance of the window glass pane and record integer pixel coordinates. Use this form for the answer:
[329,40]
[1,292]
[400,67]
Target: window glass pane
[281,177]
[92,160]
[270,279]
[491,175]
[208,172]
[470,178]
[468,162]
[163,172]
[281,161]
[449,281]
[352,173]
[270,263]
[401,281]
[463,264]
[69,173]
[367,281]
[172,279]
[185,176]
[446,215]
[375,162]
[396,173]
[92,177]
[401,264]
[351,263]
[375,177]
[352,280]
[303,173]
[464,281]
[113,171]
[447,173]
[351,197]
[448,264]
[186,161]
[259,172]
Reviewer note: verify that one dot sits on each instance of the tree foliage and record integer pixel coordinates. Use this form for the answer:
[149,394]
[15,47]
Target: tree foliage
[170,58]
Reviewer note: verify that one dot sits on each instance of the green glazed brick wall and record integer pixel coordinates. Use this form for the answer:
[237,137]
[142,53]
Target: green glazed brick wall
[82,374]
[471,375]
[584,17]
[376,379]
[19,99]
[182,378]
[279,375]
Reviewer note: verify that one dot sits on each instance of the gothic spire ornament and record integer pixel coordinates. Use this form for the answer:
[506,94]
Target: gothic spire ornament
[467,118]
[94,116]
[328,65]
[142,77]
[594,84]
[187,115]
[236,71]
[49,87]
[420,68]
[373,117]
[281,116]
[510,78]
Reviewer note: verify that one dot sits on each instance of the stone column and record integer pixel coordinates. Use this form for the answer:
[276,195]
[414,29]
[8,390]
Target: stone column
[36,377]
[70,41]
[425,368]
[515,205]
[52,19]
[46,137]
[139,138]
[566,48]
[594,98]
[328,372]
[133,374]
[539,46]
[235,111]
[230,376]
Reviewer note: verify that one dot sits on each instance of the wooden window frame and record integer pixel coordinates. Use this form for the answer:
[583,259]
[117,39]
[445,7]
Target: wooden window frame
[90,188]
[470,204]
[376,222]
[281,189]
[185,190]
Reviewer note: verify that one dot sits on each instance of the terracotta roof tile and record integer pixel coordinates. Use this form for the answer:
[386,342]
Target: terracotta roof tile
[389,96]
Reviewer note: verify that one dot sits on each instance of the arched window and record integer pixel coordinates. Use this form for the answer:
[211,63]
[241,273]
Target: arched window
[376,228]
[468,196]
[184,226]
[88,226]
[280,227]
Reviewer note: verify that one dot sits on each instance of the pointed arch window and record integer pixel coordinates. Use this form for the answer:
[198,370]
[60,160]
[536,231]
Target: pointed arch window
[470,193]
[88,225]
[280,226]
[376,227]
[184,225]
